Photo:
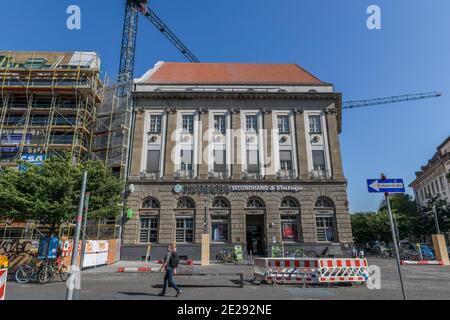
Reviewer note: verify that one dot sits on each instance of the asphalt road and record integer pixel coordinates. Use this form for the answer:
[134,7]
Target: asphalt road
[104,283]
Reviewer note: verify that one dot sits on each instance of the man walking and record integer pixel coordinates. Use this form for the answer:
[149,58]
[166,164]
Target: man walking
[170,263]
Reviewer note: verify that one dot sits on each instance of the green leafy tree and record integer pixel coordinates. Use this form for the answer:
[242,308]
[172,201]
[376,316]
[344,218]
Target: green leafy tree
[50,194]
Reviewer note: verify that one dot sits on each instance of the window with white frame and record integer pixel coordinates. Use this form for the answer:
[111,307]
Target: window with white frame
[325,220]
[220,123]
[252,161]
[285,160]
[184,229]
[315,125]
[153,161]
[318,157]
[219,228]
[188,123]
[155,123]
[186,160]
[149,229]
[251,123]
[219,161]
[283,124]
[289,227]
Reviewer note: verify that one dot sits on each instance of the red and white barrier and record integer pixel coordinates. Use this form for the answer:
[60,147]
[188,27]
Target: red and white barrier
[288,270]
[422,262]
[149,269]
[137,269]
[310,270]
[342,270]
[3,278]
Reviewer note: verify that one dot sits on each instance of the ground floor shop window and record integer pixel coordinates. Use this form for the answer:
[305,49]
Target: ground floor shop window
[184,230]
[149,229]
[325,229]
[289,228]
[219,228]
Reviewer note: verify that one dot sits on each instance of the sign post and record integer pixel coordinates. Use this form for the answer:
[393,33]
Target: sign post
[73,264]
[387,186]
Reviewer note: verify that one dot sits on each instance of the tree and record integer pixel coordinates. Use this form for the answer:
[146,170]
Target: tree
[50,193]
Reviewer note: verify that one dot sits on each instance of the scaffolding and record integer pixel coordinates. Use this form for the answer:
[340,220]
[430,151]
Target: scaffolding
[48,104]
[112,127]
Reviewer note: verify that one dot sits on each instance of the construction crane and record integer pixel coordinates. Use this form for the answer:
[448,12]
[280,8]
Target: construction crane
[127,55]
[126,69]
[389,100]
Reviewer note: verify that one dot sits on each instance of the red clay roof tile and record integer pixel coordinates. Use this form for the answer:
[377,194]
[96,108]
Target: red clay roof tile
[229,73]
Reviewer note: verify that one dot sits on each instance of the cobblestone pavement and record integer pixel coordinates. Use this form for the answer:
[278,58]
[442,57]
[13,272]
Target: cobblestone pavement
[422,282]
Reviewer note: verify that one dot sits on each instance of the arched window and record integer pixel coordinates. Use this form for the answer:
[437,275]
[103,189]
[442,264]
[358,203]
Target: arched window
[150,203]
[220,202]
[149,223]
[185,203]
[255,203]
[289,202]
[289,209]
[324,202]
[325,220]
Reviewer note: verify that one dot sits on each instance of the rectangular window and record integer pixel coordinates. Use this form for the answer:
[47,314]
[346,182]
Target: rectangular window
[219,123]
[441,182]
[325,229]
[186,160]
[153,161]
[251,123]
[318,160]
[289,228]
[219,228]
[315,125]
[149,229]
[432,188]
[252,161]
[219,161]
[184,230]
[188,123]
[155,124]
[285,160]
[283,124]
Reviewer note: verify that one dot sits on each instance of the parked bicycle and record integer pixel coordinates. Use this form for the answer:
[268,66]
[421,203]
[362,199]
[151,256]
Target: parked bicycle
[41,270]
[226,256]
[297,253]
[52,267]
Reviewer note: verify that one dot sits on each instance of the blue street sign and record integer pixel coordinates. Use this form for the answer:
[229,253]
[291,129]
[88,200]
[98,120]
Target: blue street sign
[388,185]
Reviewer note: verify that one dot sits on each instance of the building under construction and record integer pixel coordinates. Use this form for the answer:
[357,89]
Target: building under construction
[48,104]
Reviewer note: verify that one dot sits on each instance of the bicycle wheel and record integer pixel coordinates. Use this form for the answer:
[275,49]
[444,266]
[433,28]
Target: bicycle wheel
[23,274]
[64,273]
[46,274]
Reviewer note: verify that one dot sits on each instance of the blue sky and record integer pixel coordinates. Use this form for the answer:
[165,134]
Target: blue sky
[327,37]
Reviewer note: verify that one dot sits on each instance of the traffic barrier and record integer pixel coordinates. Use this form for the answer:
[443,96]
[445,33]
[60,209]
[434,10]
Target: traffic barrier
[310,270]
[342,270]
[137,269]
[422,262]
[287,270]
[3,276]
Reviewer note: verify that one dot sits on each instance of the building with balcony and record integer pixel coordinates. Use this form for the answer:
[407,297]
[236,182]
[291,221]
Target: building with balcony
[248,153]
[433,179]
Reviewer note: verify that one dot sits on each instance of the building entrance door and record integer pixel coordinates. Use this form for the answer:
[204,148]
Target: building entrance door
[255,234]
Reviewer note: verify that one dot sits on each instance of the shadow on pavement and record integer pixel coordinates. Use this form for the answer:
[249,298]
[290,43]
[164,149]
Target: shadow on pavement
[138,294]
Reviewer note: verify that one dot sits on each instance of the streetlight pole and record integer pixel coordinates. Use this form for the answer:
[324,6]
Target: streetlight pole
[73,263]
[436,221]
[394,240]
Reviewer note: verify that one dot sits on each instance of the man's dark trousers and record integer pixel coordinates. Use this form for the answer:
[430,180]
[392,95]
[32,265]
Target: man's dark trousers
[168,278]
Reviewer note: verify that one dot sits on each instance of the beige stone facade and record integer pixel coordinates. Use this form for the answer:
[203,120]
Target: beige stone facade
[192,170]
